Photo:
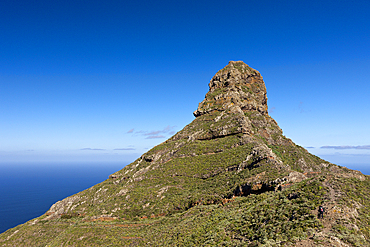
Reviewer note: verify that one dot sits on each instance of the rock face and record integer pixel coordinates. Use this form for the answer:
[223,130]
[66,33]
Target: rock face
[228,178]
[235,88]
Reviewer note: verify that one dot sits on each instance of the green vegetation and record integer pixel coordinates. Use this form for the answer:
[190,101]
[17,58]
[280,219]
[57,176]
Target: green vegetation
[229,178]
[260,219]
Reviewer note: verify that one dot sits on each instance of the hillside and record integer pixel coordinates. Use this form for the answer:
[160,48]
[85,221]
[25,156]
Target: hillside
[229,178]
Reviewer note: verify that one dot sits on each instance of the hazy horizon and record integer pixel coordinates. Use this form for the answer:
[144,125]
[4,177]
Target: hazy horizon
[107,81]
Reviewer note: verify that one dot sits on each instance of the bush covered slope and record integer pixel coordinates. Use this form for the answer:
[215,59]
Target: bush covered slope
[229,178]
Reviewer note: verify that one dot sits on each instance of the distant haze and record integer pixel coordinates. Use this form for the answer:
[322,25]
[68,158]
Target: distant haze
[106,81]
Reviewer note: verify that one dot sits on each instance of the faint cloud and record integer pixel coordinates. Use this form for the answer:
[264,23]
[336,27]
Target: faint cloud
[301,108]
[272,109]
[154,134]
[124,149]
[130,131]
[361,155]
[155,137]
[310,147]
[348,147]
[168,128]
[92,149]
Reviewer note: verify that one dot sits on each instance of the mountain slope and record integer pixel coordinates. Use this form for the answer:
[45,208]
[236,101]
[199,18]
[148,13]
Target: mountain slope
[228,178]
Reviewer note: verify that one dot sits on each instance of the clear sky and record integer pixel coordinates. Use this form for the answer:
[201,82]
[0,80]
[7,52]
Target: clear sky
[108,80]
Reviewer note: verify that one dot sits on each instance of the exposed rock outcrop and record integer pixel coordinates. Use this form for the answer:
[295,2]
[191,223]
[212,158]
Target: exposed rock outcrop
[236,88]
[229,178]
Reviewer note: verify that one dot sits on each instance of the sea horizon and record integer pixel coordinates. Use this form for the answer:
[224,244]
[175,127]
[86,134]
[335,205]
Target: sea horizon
[29,189]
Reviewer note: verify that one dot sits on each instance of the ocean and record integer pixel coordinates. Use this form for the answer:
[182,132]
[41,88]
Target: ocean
[27,190]
[364,168]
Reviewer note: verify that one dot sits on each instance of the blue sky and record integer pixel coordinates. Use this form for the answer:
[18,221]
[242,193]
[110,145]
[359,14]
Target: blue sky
[108,80]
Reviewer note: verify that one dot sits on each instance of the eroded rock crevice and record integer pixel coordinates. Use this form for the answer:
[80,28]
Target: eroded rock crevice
[247,189]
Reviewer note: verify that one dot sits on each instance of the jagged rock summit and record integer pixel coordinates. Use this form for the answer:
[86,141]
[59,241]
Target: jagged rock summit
[237,87]
[229,178]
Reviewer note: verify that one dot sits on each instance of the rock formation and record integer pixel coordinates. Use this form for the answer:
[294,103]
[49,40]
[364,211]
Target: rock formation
[229,178]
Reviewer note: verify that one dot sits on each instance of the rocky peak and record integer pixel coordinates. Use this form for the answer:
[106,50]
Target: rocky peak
[237,87]
[230,173]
